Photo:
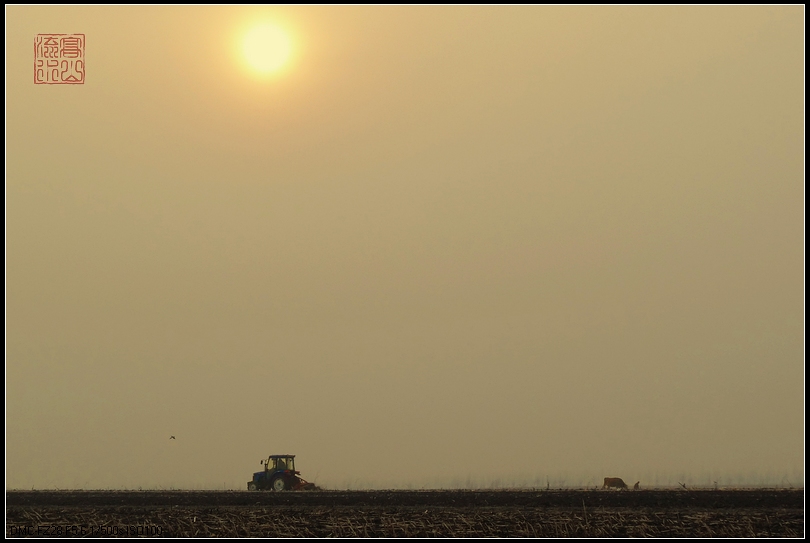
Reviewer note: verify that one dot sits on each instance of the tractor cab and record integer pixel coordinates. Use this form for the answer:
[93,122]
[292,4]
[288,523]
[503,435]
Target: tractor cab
[278,462]
[279,474]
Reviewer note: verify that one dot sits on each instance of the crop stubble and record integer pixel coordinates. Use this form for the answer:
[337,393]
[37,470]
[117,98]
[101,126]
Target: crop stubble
[749,513]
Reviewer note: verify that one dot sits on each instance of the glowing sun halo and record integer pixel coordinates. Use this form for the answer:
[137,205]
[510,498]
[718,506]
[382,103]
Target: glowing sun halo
[266,48]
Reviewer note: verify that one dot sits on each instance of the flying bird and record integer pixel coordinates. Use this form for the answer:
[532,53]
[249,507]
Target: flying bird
[172,437]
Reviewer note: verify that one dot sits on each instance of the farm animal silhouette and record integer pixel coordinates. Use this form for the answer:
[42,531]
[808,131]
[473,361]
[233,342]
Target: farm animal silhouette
[614,482]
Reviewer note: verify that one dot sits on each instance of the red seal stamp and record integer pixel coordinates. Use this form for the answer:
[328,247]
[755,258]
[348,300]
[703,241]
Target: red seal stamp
[59,59]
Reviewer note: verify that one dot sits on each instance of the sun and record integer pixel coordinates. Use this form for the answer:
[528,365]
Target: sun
[266,48]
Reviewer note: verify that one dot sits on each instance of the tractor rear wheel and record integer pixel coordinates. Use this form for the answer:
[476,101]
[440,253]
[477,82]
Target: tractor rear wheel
[279,484]
[252,486]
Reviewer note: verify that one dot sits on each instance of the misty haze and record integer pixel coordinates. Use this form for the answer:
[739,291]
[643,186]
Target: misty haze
[425,247]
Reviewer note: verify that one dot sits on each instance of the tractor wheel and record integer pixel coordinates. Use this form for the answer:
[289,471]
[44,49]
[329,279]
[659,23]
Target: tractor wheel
[279,484]
[252,486]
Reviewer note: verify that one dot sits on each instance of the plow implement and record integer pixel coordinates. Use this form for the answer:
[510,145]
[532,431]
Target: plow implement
[304,485]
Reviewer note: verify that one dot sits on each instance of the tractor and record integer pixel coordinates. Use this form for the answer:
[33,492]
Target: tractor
[279,474]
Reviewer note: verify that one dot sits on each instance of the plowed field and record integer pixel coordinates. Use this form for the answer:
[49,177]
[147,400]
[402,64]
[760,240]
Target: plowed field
[440,513]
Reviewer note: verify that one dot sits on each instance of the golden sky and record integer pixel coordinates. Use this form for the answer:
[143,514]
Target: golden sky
[440,246]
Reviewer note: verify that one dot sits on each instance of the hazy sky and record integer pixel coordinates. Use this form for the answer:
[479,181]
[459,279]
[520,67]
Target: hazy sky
[443,246]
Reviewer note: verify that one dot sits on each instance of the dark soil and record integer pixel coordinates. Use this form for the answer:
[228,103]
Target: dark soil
[445,513]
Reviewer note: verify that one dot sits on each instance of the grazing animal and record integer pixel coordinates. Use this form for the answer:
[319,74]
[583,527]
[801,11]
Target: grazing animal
[635,486]
[614,482]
